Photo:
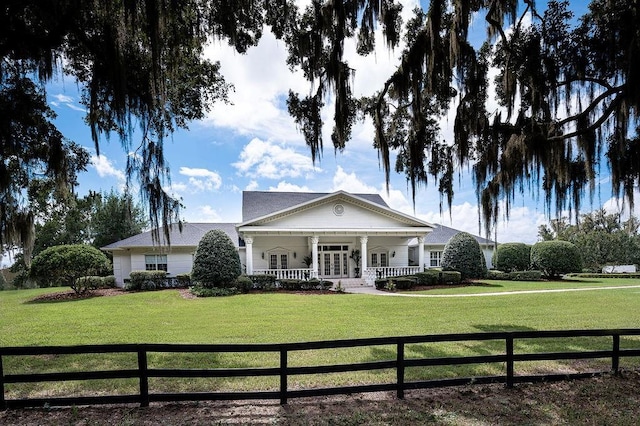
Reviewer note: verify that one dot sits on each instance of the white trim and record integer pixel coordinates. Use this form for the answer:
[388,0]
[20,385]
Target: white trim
[339,195]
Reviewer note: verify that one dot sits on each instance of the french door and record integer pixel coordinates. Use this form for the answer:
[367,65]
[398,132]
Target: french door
[333,261]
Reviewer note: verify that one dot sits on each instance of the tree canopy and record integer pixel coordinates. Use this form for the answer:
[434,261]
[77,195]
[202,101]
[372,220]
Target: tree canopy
[567,89]
[602,238]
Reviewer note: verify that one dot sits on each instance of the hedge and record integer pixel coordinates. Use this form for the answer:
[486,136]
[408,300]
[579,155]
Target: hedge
[600,275]
[555,258]
[451,277]
[94,282]
[263,282]
[146,280]
[525,275]
[429,277]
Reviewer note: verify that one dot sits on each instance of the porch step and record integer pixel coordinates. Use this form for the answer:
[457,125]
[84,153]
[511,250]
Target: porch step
[349,282]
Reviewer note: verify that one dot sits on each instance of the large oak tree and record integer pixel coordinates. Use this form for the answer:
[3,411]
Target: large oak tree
[567,88]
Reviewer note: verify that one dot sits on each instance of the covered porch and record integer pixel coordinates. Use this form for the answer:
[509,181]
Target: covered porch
[331,254]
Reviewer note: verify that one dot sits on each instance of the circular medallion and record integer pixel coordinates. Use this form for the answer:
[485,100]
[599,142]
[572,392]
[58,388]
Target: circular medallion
[338,209]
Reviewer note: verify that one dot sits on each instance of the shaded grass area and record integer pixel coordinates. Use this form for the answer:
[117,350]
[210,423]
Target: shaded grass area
[165,317]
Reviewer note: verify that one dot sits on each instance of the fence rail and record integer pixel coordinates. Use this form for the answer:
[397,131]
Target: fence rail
[143,373]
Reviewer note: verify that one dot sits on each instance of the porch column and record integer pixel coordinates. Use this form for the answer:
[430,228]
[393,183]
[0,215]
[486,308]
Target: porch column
[363,254]
[248,242]
[421,253]
[314,255]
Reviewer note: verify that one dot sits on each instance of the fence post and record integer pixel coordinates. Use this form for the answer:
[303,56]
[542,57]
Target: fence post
[400,370]
[3,402]
[509,341]
[144,378]
[283,376]
[615,356]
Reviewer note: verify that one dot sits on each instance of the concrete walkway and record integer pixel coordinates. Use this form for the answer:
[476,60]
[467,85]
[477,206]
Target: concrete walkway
[373,291]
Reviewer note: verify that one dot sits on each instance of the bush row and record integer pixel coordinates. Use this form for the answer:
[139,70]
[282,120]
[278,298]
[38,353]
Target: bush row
[154,280]
[600,275]
[515,275]
[94,282]
[426,278]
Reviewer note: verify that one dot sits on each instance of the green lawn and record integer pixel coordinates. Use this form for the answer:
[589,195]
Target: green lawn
[499,286]
[166,317]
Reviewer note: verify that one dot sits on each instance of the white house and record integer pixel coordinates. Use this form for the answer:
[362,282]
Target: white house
[280,230]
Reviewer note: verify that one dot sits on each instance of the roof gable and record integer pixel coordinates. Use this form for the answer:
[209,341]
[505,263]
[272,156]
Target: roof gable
[256,204]
[319,211]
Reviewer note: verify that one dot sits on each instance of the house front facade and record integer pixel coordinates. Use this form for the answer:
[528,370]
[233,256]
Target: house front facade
[334,236]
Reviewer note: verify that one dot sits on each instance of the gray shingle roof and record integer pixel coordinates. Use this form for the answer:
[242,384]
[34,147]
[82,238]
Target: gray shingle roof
[442,234]
[189,237]
[256,204]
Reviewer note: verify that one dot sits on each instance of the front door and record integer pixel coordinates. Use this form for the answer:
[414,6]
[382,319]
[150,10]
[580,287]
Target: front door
[333,261]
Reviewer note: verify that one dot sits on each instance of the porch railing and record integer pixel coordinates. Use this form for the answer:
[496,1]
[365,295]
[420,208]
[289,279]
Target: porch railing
[373,273]
[287,274]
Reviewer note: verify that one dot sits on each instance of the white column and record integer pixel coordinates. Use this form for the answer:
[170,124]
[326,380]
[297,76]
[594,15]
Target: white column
[314,255]
[248,242]
[421,253]
[363,254]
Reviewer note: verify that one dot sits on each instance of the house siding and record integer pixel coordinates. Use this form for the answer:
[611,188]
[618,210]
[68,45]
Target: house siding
[353,217]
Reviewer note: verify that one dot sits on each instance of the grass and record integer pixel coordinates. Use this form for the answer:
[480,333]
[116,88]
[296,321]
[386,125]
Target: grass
[166,317]
[500,286]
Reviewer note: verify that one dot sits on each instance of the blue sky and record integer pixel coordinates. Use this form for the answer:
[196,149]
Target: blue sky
[253,144]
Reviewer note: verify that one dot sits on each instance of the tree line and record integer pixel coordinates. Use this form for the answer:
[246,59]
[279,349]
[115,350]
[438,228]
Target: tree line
[602,238]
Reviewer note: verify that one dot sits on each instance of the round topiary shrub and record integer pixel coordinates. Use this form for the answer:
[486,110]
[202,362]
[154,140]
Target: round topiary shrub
[510,257]
[463,254]
[555,258]
[64,264]
[216,262]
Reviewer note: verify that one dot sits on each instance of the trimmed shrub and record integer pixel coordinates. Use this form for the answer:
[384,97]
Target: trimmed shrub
[200,291]
[510,257]
[497,275]
[216,262]
[525,276]
[244,284]
[635,275]
[555,258]
[428,277]
[463,254]
[380,284]
[109,281]
[451,277]
[94,282]
[183,280]
[263,282]
[404,283]
[146,280]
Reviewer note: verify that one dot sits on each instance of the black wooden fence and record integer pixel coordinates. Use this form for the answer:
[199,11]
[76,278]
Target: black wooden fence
[143,373]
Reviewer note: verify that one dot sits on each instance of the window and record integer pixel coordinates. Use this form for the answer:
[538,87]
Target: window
[278,261]
[435,257]
[379,259]
[155,262]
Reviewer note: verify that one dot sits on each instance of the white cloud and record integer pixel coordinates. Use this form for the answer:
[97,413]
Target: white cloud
[252,186]
[105,168]
[68,101]
[349,182]
[269,160]
[202,179]
[522,225]
[202,213]
[288,187]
